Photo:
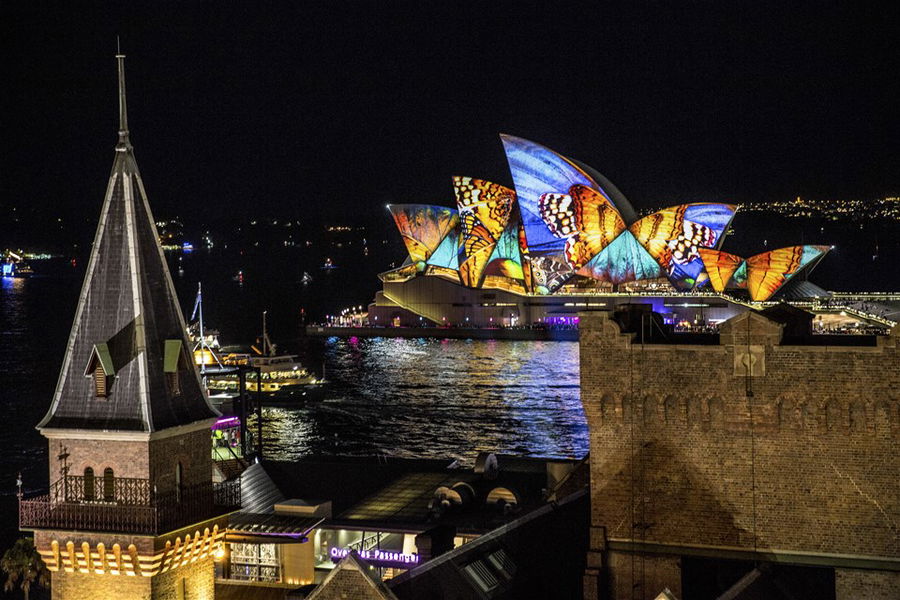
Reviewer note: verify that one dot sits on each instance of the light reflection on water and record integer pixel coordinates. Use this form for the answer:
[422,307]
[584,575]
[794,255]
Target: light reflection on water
[438,398]
[413,398]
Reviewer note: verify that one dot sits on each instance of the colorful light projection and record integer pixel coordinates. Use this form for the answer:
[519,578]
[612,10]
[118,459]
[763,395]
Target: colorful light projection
[423,227]
[536,171]
[446,255]
[622,261]
[566,225]
[505,267]
[762,274]
[674,236]
[484,210]
[585,219]
[721,267]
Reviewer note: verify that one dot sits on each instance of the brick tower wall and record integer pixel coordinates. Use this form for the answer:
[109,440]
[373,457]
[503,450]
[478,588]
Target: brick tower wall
[154,459]
[677,443]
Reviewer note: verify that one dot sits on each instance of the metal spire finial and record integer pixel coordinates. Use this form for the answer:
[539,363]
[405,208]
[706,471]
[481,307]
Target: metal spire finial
[124,143]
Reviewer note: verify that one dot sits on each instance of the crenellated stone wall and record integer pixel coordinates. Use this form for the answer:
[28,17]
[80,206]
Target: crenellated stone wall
[747,448]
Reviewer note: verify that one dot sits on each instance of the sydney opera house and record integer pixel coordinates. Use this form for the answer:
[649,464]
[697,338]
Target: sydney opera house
[564,240]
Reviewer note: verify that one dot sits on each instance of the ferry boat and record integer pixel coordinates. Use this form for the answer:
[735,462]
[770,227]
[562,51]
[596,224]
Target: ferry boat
[277,373]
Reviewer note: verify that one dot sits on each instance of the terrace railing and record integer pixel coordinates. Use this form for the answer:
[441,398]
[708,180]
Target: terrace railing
[125,505]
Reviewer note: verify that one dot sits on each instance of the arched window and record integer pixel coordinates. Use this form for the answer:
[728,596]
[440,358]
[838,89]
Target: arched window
[109,485]
[179,474]
[88,484]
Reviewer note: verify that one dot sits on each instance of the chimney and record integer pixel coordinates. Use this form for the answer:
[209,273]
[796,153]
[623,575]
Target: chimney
[435,541]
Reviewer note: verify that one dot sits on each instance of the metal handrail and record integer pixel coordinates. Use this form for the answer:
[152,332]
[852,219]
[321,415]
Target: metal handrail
[132,509]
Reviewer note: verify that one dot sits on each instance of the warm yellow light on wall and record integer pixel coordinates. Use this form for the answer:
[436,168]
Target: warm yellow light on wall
[219,553]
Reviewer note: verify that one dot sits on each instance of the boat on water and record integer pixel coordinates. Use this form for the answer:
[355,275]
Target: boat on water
[264,369]
[270,373]
[13,265]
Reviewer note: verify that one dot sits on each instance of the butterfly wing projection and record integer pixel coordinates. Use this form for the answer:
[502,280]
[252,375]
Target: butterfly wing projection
[585,218]
[423,227]
[527,273]
[623,260]
[504,269]
[719,266]
[489,203]
[768,271]
[673,236]
[548,275]
[476,249]
[537,170]
[484,210]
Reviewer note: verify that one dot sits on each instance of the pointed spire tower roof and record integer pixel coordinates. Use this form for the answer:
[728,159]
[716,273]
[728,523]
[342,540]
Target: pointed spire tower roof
[128,365]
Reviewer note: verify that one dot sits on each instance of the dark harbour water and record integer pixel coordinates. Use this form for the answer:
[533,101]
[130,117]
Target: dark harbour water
[408,398]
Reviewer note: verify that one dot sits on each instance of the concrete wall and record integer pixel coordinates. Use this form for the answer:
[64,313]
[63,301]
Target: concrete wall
[446,302]
[688,450]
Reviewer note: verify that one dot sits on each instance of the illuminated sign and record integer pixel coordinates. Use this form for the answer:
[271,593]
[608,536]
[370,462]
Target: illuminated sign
[376,556]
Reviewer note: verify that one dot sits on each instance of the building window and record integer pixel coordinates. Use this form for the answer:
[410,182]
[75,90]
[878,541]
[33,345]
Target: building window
[481,576]
[100,369]
[88,484]
[109,485]
[255,562]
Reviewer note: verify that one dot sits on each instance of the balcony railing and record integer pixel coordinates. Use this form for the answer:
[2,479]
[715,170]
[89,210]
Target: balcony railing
[125,505]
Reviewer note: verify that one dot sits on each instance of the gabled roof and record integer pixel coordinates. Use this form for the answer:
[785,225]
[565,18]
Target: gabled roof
[129,317]
[352,578]
[538,555]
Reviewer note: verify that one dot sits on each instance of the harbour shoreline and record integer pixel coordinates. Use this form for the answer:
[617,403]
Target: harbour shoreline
[453,333]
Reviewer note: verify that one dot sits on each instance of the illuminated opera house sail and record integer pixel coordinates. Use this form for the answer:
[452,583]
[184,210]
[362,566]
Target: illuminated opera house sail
[565,230]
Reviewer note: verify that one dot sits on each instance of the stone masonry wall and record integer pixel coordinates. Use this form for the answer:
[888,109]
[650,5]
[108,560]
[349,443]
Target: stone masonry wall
[681,436]
[71,586]
[153,460]
[193,450]
[196,580]
[127,459]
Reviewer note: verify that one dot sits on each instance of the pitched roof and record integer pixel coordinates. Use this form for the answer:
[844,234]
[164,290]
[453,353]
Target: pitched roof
[128,308]
[352,578]
[539,555]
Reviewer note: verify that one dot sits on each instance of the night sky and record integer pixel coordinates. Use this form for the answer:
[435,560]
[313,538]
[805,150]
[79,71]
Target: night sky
[324,109]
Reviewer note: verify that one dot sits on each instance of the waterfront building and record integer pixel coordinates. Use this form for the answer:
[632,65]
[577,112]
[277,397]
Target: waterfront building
[761,455]
[566,239]
[302,520]
[532,556]
[132,511]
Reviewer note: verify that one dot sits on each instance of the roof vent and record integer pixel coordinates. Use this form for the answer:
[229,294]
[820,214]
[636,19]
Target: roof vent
[486,465]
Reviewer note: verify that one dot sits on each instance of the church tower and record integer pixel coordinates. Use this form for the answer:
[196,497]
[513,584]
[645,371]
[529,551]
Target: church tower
[132,511]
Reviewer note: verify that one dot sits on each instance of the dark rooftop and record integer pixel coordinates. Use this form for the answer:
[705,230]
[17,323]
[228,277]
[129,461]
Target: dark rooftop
[401,494]
[538,555]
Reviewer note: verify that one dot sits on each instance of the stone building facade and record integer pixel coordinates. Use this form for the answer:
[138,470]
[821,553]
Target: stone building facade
[750,448]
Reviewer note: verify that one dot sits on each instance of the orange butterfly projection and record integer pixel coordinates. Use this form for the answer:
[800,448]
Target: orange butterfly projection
[673,237]
[484,210]
[585,218]
[765,273]
[569,226]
